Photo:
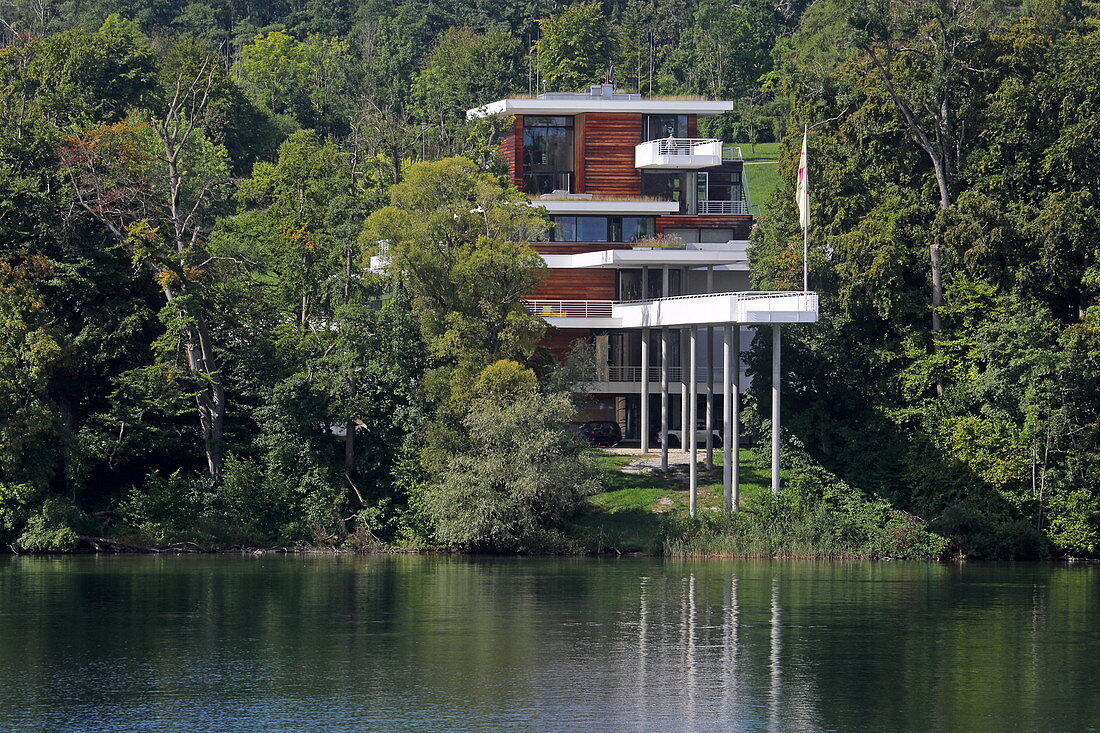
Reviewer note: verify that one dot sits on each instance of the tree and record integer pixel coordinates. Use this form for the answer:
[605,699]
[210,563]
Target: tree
[574,48]
[928,55]
[455,237]
[522,476]
[154,182]
[465,69]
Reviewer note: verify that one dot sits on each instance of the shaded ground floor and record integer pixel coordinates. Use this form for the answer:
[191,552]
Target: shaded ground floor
[626,410]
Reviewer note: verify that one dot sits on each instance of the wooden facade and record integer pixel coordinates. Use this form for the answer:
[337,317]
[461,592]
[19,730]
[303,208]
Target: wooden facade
[608,154]
[512,150]
[583,284]
[740,223]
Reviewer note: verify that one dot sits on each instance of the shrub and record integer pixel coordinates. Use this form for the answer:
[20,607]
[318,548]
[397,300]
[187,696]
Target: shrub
[50,528]
[524,472]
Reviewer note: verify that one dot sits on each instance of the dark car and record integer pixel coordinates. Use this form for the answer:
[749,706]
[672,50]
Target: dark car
[601,432]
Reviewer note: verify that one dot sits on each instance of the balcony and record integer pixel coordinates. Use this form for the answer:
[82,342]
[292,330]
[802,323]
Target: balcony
[679,153]
[753,307]
[722,207]
[704,309]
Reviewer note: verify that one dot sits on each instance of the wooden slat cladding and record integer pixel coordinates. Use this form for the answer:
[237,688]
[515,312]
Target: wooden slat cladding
[577,285]
[559,341]
[693,126]
[578,154]
[609,141]
[741,224]
[512,150]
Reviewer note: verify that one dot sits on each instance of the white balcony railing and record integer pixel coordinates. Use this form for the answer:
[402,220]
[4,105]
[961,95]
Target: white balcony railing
[722,207]
[752,307]
[675,373]
[731,153]
[679,152]
[570,308]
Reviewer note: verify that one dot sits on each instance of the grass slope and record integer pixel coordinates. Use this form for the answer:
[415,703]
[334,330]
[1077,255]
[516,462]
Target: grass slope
[633,513]
[761,171]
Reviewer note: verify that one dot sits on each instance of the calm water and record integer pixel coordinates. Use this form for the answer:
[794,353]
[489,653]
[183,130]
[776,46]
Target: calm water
[443,643]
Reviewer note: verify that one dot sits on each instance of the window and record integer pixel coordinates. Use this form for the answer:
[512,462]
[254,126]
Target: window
[547,154]
[631,286]
[723,186]
[658,126]
[694,236]
[666,186]
[601,228]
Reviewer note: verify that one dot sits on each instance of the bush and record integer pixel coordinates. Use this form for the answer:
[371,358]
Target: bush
[50,529]
[816,514]
[524,473]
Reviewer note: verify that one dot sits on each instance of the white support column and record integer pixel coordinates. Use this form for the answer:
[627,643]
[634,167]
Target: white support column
[693,396]
[664,399]
[727,420]
[686,360]
[645,391]
[644,417]
[777,341]
[710,398]
[735,408]
[710,380]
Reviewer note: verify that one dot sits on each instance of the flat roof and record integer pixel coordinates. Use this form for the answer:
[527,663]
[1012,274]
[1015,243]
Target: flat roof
[581,103]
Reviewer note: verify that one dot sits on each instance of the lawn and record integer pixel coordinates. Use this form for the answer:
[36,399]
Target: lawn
[761,173]
[631,515]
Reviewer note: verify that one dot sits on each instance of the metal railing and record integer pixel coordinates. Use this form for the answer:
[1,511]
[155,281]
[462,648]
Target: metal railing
[684,145]
[731,153]
[722,207]
[675,374]
[570,308]
[548,308]
[537,183]
[742,295]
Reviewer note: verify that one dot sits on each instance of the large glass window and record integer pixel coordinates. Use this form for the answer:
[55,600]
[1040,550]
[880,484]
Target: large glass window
[601,228]
[694,236]
[666,186]
[723,186]
[547,154]
[631,286]
[658,126]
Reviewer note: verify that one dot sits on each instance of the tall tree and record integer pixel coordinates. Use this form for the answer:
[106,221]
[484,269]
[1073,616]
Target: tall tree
[928,54]
[574,48]
[155,182]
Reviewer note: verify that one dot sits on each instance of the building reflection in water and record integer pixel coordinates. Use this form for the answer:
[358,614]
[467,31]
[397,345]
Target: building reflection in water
[711,653]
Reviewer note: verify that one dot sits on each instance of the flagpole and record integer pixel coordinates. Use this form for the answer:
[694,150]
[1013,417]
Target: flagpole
[806,228]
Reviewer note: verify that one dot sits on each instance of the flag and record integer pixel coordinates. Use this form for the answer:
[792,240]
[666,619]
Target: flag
[802,195]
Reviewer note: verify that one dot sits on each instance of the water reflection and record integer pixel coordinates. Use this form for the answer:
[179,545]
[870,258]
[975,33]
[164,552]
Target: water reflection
[444,643]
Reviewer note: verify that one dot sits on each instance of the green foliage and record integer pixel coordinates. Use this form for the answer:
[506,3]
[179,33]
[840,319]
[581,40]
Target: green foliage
[49,528]
[455,238]
[524,474]
[574,48]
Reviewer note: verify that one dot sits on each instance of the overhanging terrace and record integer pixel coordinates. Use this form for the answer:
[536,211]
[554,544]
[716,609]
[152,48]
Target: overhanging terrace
[717,309]
[712,309]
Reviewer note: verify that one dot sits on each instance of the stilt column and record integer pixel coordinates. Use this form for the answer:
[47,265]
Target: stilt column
[689,433]
[664,399]
[645,391]
[777,341]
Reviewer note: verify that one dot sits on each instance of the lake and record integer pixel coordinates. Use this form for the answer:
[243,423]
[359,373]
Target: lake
[439,643]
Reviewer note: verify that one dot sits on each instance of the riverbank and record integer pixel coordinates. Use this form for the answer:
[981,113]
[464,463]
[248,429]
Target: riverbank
[643,510]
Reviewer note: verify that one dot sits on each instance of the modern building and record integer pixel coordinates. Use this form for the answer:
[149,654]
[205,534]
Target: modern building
[647,259]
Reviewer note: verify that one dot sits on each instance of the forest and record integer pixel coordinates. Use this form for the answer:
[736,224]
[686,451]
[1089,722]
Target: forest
[195,351]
